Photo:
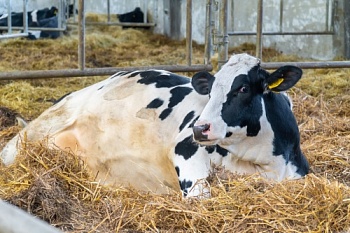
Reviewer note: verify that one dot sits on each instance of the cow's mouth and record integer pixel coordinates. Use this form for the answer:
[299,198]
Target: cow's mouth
[206,142]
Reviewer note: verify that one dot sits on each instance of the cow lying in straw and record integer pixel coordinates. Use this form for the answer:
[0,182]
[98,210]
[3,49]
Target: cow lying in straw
[156,130]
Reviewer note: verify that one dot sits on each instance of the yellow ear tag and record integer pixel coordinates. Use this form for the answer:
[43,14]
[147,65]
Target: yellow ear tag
[276,83]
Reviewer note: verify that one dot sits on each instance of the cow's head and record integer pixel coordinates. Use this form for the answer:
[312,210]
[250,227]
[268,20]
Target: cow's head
[236,92]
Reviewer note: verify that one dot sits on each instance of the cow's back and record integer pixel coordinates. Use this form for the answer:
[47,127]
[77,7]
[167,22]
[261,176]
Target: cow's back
[123,127]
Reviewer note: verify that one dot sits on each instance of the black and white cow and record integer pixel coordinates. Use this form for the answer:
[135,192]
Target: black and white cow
[33,17]
[152,130]
[46,18]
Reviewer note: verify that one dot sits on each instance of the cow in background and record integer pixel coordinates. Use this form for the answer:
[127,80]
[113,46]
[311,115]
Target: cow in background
[135,16]
[33,17]
[46,18]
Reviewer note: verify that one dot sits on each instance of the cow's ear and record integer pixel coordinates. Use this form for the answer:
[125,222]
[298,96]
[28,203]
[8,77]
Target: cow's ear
[202,82]
[283,78]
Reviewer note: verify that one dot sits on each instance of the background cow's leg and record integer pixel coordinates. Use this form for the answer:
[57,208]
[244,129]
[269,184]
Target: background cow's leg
[9,152]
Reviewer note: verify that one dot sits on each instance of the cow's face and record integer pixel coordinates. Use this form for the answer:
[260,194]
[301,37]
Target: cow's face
[236,106]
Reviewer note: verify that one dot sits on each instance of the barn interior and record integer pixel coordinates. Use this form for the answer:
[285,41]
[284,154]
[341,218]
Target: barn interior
[56,187]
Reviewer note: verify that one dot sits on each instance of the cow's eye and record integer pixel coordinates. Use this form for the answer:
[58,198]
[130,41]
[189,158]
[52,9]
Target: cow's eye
[243,89]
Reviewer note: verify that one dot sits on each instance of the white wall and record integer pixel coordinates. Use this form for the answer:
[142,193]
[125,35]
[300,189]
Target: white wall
[301,15]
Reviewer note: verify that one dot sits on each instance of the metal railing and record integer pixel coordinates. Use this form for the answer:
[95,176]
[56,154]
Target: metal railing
[218,37]
[83,71]
[259,33]
[62,5]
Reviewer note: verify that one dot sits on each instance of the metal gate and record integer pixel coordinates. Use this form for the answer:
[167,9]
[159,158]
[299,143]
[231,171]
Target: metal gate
[214,36]
[61,21]
[220,36]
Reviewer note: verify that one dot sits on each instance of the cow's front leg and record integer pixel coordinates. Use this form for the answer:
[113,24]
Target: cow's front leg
[192,164]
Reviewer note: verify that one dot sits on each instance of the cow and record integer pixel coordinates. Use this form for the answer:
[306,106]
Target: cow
[46,18]
[135,16]
[45,23]
[159,131]
[32,16]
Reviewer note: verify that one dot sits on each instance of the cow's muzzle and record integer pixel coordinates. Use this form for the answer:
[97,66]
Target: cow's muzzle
[200,132]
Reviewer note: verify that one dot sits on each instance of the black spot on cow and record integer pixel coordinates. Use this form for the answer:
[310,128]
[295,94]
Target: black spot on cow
[184,185]
[61,98]
[186,148]
[243,106]
[156,103]
[285,131]
[121,73]
[186,120]
[49,23]
[160,80]
[165,113]
[100,88]
[177,95]
[223,152]
[193,122]
[177,169]
[210,149]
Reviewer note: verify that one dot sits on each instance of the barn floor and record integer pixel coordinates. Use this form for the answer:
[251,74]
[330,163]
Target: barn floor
[56,187]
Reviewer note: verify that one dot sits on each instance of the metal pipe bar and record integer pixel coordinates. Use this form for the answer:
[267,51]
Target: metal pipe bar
[9,17]
[189,32]
[145,2]
[223,45]
[118,24]
[9,36]
[25,17]
[243,33]
[35,28]
[36,74]
[208,41]
[281,15]
[108,11]
[258,51]
[308,65]
[21,221]
[81,35]
[327,15]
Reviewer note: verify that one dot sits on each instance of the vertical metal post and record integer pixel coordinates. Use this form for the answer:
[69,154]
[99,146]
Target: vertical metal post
[81,35]
[327,16]
[258,52]
[108,11]
[145,10]
[9,17]
[61,13]
[281,16]
[189,32]
[74,8]
[25,17]
[223,22]
[208,39]
[346,8]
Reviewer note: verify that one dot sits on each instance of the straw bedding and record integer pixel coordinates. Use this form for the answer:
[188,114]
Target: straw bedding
[57,187]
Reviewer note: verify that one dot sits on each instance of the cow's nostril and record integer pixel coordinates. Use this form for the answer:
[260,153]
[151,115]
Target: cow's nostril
[206,127]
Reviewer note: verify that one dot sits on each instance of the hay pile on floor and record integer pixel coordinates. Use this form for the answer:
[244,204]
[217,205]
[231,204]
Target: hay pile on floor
[56,186]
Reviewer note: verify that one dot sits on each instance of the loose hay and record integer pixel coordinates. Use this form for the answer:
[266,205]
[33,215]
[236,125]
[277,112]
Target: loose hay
[56,186]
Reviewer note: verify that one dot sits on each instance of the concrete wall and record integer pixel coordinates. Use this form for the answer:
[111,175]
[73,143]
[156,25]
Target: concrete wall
[301,15]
